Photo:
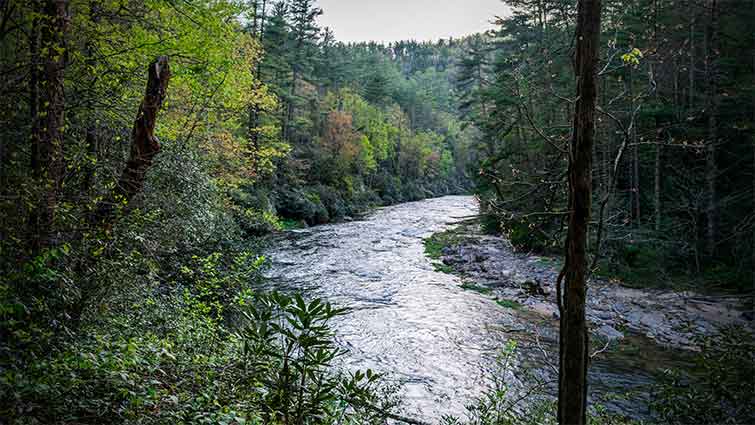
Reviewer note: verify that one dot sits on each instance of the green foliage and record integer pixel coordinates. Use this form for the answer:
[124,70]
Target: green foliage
[146,351]
[490,224]
[204,348]
[435,243]
[719,390]
[509,304]
[211,282]
[502,403]
[476,288]
[526,235]
[302,204]
[289,348]
[636,265]
[663,173]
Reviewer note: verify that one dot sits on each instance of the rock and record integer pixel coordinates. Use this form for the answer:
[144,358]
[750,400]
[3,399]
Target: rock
[534,288]
[609,333]
[602,314]
[653,320]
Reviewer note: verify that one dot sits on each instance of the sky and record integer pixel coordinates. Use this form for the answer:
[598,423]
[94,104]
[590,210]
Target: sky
[421,20]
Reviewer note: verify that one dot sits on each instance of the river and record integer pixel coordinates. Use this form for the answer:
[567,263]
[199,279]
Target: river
[417,324]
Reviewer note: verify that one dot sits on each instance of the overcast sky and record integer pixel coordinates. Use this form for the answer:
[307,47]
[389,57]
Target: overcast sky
[392,20]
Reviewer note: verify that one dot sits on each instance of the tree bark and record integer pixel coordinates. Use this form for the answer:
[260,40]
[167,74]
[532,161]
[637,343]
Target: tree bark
[254,115]
[91,136]
[144,145]
[634,166]
[573,356]
[657,207]
[48,106]
[752,266]
[712,107]
[657,184]
[691,70]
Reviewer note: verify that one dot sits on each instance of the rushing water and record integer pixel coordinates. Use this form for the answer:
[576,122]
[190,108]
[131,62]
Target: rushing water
[437,339]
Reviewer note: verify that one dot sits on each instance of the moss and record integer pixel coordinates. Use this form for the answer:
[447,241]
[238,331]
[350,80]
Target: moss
[435,243]
[433,247]
[476,288]
[443,268]
[509,304]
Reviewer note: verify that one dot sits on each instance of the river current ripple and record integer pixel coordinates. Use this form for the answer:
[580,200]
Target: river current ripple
[406,318]
[436,339]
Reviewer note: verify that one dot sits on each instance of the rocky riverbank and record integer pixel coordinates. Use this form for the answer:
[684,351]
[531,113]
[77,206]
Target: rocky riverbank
[490,265]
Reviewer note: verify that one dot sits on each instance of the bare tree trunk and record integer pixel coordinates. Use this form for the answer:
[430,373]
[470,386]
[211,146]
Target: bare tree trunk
[691,89]
[48,110]
[254,118]
[634,170]
[144,145]
[91,137]
[657,185]
[752,298]
[712,107]
[658,146]
[573,356]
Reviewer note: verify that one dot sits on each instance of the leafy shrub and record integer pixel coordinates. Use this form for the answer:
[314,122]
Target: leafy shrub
[254,211]
[502,404]
[211,282]
[720,389]
[333,202]
[302,204]
[183,352]
[525,235]
[288,347]
[490,224]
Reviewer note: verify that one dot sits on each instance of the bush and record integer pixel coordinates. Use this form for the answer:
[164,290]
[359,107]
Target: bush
[303,205]
[333,201]
[254,211]
[720,389]
[288,346]
[202,347]
[526,235]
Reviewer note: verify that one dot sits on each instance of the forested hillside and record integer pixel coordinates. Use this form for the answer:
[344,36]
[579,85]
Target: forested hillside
[673,165]
[155,153]
[355,125]
[145,147]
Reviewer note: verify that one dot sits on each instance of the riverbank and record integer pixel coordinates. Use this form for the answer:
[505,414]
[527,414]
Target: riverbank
[490,265]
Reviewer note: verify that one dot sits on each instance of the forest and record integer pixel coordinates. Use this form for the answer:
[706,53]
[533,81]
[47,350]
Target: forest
[214,211]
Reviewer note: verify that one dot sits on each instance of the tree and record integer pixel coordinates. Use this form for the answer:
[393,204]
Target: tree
[254,109]
[305,34]
[144,145]
[573,356]
[48,65]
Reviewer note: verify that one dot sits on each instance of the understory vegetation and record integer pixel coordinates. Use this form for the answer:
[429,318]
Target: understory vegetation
[149,147]
[673,159]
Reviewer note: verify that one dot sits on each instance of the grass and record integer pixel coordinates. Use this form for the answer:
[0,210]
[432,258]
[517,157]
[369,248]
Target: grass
[435,243]
[290,224]
[443,268]
[555,262]
[476,288]
[509,304]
